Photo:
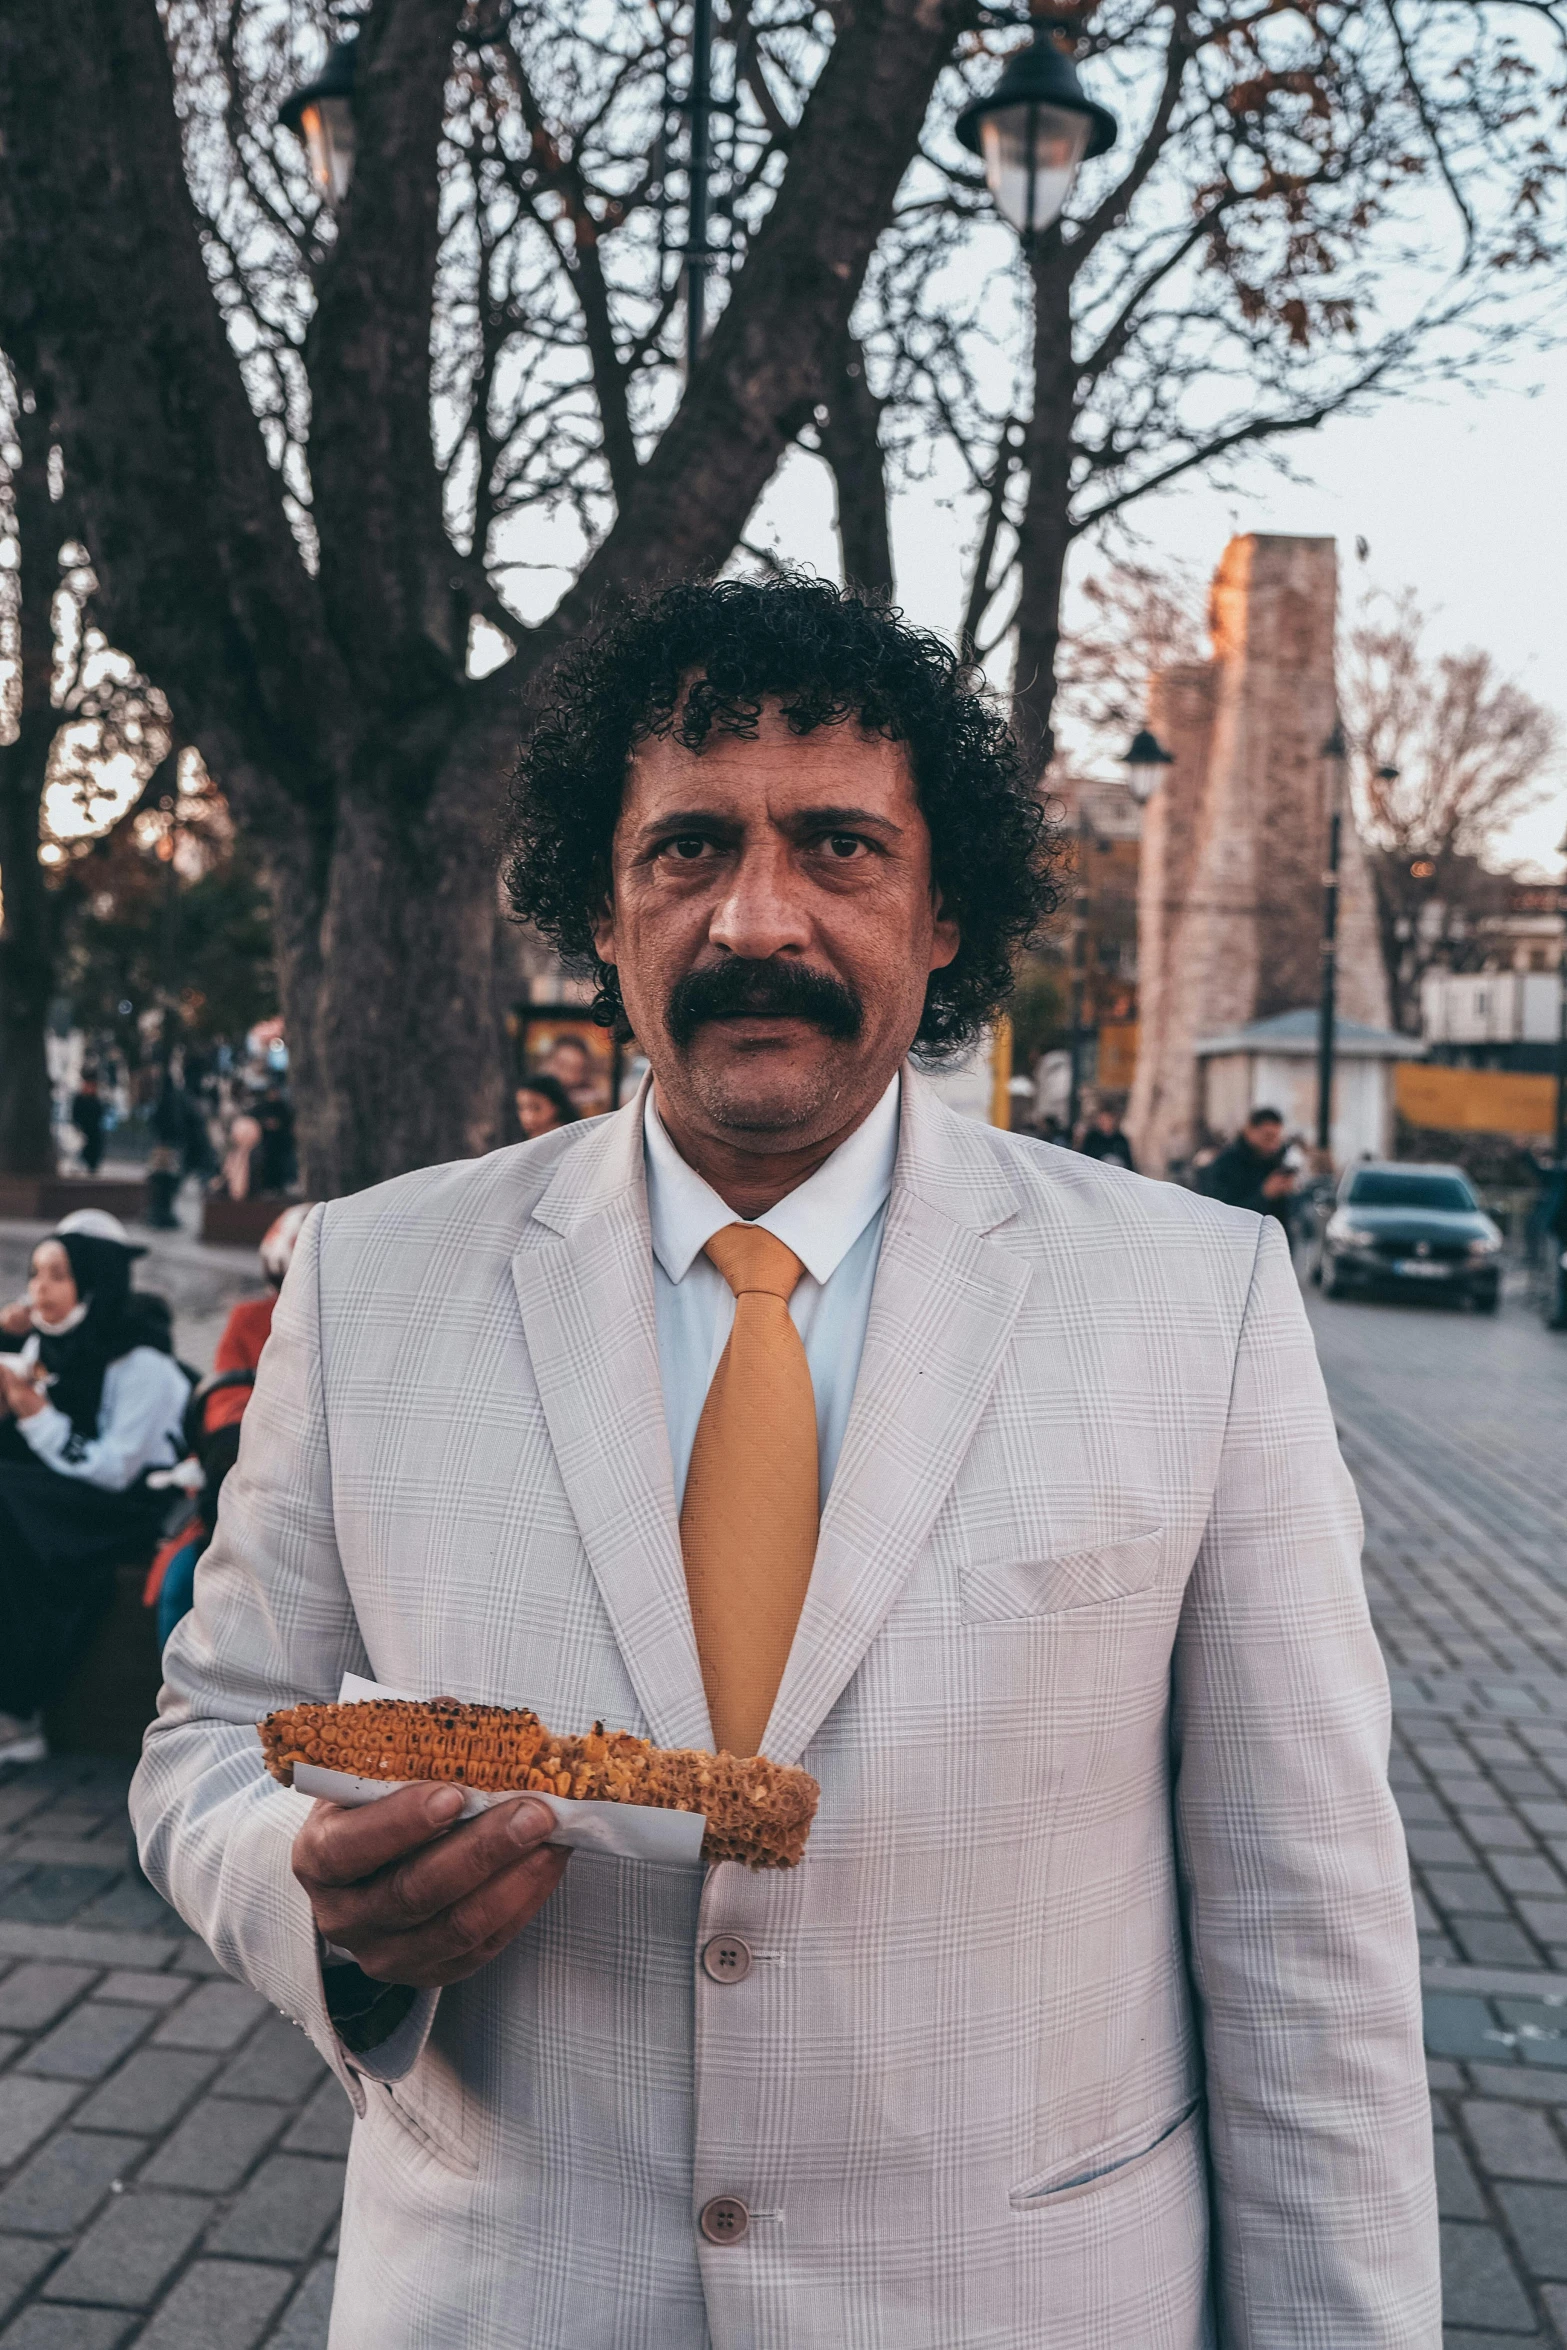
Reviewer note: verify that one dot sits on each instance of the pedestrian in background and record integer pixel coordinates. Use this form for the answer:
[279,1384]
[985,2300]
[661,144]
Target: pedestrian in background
[276,1119]
[1250,1171]
[1105,1141]
[543,1104]
[87,1118]
[91,1402]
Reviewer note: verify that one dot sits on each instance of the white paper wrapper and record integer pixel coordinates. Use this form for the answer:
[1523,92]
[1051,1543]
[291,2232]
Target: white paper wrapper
[623,1831]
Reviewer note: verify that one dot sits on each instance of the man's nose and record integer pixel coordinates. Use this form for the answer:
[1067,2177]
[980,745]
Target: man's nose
[762,912]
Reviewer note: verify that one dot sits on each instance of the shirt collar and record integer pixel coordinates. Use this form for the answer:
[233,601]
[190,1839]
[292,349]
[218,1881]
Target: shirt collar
[820,1220]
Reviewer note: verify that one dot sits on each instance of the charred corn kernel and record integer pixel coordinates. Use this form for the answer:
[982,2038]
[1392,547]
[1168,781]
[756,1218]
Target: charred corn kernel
[757,1813]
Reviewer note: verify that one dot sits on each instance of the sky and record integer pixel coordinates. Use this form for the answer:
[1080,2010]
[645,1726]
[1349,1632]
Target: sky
[1460,495]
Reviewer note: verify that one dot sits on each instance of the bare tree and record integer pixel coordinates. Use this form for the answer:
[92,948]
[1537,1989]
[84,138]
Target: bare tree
[77,723]
[1313,207]
[314,456]
[1448,753]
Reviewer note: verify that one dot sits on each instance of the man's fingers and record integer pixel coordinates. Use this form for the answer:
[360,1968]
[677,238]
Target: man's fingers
[423,1883]
[456,1944]
[342,1846]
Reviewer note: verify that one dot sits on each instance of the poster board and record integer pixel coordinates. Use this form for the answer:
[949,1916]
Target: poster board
[561,1040]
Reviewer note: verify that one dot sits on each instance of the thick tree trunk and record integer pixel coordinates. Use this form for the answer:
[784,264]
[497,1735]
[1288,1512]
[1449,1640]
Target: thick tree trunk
[26,957]
[27,926]
[1045,534]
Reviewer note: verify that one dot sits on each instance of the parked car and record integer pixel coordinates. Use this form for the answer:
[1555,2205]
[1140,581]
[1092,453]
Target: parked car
[1406,1227]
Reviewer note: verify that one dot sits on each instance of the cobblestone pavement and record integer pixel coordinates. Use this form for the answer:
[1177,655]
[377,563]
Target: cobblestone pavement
[171,2151]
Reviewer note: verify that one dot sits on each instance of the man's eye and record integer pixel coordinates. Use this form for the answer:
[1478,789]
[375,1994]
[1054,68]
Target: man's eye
[688,846]
[845,844]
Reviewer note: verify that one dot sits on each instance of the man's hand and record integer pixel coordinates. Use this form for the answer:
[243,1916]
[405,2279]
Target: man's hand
[16,1318]
[1276,1185]
[414,1900]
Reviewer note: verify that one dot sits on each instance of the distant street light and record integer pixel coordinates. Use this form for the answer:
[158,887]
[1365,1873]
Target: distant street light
[1143,762]
[1335,750]
[321,117]
[1035,128]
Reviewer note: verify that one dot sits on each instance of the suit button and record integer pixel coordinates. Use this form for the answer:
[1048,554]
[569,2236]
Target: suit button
[726,1958]
[725,2220]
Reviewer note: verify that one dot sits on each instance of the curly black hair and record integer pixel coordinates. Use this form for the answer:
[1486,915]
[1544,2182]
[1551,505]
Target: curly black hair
[702,656]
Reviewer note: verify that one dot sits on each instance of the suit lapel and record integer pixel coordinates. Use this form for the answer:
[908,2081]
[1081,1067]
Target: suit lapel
[584,1279]
[941,1318]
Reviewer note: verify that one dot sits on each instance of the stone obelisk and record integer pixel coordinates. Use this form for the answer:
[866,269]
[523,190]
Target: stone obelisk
[1229,910]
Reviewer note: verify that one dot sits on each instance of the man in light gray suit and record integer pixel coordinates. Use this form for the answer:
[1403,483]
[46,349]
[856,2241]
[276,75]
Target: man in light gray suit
[1091,2018]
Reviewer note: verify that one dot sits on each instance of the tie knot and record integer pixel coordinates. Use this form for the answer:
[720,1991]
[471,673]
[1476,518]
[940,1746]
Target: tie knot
[750,1258]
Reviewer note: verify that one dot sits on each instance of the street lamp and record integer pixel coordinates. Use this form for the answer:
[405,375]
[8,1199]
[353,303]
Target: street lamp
[1143,762]
[321,117]
[1335,750]
[1034,130]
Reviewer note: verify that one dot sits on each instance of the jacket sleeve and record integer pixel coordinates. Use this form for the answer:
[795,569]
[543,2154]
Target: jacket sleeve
[273,1623]
[1299,1918]
[139,1425]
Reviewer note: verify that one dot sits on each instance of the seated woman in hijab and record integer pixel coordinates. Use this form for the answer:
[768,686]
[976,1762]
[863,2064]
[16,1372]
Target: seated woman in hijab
[91,1403]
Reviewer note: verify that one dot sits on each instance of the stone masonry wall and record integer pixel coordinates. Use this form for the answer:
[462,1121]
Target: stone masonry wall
[1234,843]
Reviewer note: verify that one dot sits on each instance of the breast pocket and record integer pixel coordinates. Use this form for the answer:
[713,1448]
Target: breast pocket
[1007,1590]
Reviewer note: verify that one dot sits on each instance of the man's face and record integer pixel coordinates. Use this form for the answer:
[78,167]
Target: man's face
[1105,1121]
[773,924]
[568,1060]
[1265,1135]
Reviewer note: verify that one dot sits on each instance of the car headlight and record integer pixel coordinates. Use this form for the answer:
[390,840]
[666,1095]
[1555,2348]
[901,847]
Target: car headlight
[1486,1246]
[1348,1235]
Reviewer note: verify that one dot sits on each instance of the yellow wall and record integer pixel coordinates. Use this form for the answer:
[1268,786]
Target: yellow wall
[1486,1101]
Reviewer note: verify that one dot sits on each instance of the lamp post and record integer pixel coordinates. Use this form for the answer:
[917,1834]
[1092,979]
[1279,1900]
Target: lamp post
[1142,761]
[321,117]
[1035,128]
[1335,750]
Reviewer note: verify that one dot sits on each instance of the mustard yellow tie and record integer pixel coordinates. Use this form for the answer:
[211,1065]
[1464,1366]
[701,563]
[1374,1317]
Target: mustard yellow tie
[748,1522]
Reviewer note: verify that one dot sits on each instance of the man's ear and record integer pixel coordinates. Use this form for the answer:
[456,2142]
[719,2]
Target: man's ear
[945,937]
[604,933]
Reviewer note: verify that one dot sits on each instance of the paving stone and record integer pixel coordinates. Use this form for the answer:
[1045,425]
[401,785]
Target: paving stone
[81,1946]
[135,1988]
[1494,1942]
[43,2328]
[48,1896]
[1519,2083]
[285,2211]
[217,2305]
[1459,2025]
[28,2110]
[1442,1845]
[10,2042]
[130,1902]
[1541,2029]
[1547,1920]
[307,2317]
[31,1997]
[1538,2219]
[1549,1819]
[1528,1874]
[1555,2299]
[148,2090]
[1496,1832]
[278,2064]
[1416,1803]
[194,1958]
[1458,2193]
[1442,2074]
[69,2177]
[1514,2141]
[1479,2283]
[21,2266]
[327,2124]
[87,2042]
[215,2145]
[215,2016]
[1466,1891]
[129,2253]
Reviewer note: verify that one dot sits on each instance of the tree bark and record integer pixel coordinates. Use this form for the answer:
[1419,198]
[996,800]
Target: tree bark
[27,926]
[1045,532]
[851,444]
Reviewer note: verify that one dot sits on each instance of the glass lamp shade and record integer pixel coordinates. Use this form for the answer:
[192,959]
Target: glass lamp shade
[1031,154]
[326,126]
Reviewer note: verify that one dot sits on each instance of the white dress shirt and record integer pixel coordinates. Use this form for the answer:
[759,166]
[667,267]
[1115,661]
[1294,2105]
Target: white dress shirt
[833,1222]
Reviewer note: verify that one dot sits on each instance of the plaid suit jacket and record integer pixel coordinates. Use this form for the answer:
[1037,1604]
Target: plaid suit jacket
[1091,2018]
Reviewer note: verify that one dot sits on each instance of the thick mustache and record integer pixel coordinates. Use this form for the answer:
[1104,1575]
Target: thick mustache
[739,989]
